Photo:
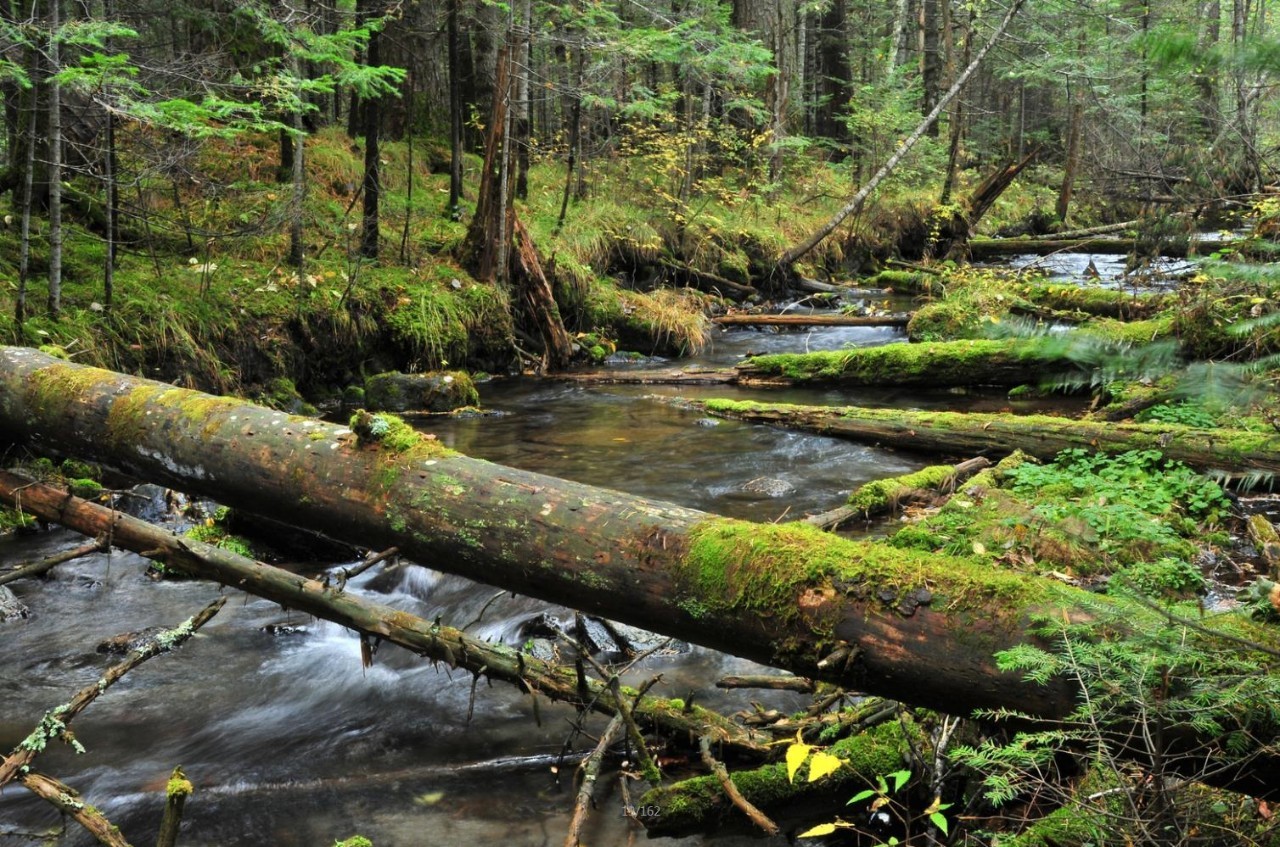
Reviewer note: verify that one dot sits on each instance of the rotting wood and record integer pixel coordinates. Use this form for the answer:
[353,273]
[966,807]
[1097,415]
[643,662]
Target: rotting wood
[50,562]
[896,320]
[862,615]
[584,800]
[177,790]
[708,282]
[316,597]
[757,817]
[770,681]
[1230,452]
[620,376]
[1264,536]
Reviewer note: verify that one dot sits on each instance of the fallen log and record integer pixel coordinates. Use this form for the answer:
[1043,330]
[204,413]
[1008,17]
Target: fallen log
[989,248]
[864,616]
[936,364]
[813,320]
[628,376]
[50,562]
[708,282]
[886,495]
[1103,302]
[1225,451]
[330,602]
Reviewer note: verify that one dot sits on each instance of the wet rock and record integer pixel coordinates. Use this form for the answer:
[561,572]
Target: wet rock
[11,608]
[127,642]
[285,629]
[706,422]
[768,487]
[429,392]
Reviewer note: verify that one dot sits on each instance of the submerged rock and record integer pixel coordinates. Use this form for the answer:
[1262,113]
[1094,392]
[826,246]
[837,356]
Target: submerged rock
[11,608]
[768,487]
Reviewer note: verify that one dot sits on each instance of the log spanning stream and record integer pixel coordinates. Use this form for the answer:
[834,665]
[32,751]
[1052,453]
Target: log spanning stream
[290,742]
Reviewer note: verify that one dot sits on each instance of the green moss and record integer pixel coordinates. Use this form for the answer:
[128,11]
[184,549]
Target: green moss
[86,489]
[179,785]
[931,363]
[882,494]
[393,435]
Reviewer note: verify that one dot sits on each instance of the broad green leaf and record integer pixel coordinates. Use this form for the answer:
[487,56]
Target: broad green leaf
[860,796]
[822,765]
[940,821]
[899,779]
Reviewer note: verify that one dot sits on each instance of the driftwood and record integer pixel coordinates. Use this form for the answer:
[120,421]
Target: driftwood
[319,598]
[50,562]
[864,616]
[1231,452]
[67,800]
[813,320]
[708,282]
[771,681]
[585,800]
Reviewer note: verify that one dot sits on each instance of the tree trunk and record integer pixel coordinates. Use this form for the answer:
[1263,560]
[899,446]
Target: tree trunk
[372,164]
[455,114]
[1072,163]
[793,254]
[860,614]
[1237,452]
[432,639]
[816,319]
[28,191]
[55,161]
[938,364]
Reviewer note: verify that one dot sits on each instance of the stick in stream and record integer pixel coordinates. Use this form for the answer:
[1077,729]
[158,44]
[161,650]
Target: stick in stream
[434,640]
[177,791]
[50,562]
[584,801]
[769,681]
[67,800]
[54,723]
[757,817]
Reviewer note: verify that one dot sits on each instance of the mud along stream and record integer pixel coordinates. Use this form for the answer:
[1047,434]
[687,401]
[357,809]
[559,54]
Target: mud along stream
[290,742]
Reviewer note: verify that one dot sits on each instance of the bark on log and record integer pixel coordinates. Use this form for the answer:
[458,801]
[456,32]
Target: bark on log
[861,615]
[315,597]
[933,364]
[1234,452]
[813,320]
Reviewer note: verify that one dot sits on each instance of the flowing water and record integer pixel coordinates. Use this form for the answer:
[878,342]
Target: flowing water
[289,742]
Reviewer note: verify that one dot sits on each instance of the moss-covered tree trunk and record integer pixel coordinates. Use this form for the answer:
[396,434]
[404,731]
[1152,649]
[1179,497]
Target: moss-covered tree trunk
[1043,436]
[919,626]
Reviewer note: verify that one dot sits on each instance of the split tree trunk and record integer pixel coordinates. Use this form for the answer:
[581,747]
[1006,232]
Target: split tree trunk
[863,615]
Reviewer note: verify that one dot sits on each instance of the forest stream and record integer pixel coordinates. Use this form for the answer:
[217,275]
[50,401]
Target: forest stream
[290,742]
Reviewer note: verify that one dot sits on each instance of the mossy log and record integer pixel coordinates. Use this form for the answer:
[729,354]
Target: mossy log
[867,616]
[816,319]
[1233,452]
[700,804]
[936,364]
[1103,302]
[885,495]
[330,602]
[983,248]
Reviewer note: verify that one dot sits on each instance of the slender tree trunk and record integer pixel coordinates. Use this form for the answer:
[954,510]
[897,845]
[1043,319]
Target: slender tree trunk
[957,122]
[793,254]
[1072,163]
[575,128]
[55,160]
[930,59]
[1205,80]
[297,204]
[28,191]
[455,114]
[409,180]
[372,163]
[523,126]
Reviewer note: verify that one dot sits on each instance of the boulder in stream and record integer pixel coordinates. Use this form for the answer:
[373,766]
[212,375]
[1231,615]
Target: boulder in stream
[11,608]
[442,391]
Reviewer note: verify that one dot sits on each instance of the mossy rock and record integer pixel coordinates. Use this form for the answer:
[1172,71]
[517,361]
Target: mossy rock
[442,391]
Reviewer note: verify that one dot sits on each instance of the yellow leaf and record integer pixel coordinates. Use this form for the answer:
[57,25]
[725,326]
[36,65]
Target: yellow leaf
[796,754]
[979,548]
[823,764]
[820,829]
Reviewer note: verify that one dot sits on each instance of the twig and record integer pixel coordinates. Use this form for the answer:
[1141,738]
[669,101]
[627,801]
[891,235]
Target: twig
[54,723]
[50,562]
[757,817]
[770,681]
[352,573]
[67,800]
[590,772]
[176,794]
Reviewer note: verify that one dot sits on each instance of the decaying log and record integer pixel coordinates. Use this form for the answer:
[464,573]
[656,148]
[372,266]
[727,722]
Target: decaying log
[886,495]
[757,817]
[864,616]
[1267,540]
[1230,452]
[1103,302]
[708,282]
[584,801]
[772,682]
[937,364]
[619,376]
[50,562]
[330,602]
[990,248]
[813,320]
[700,805]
